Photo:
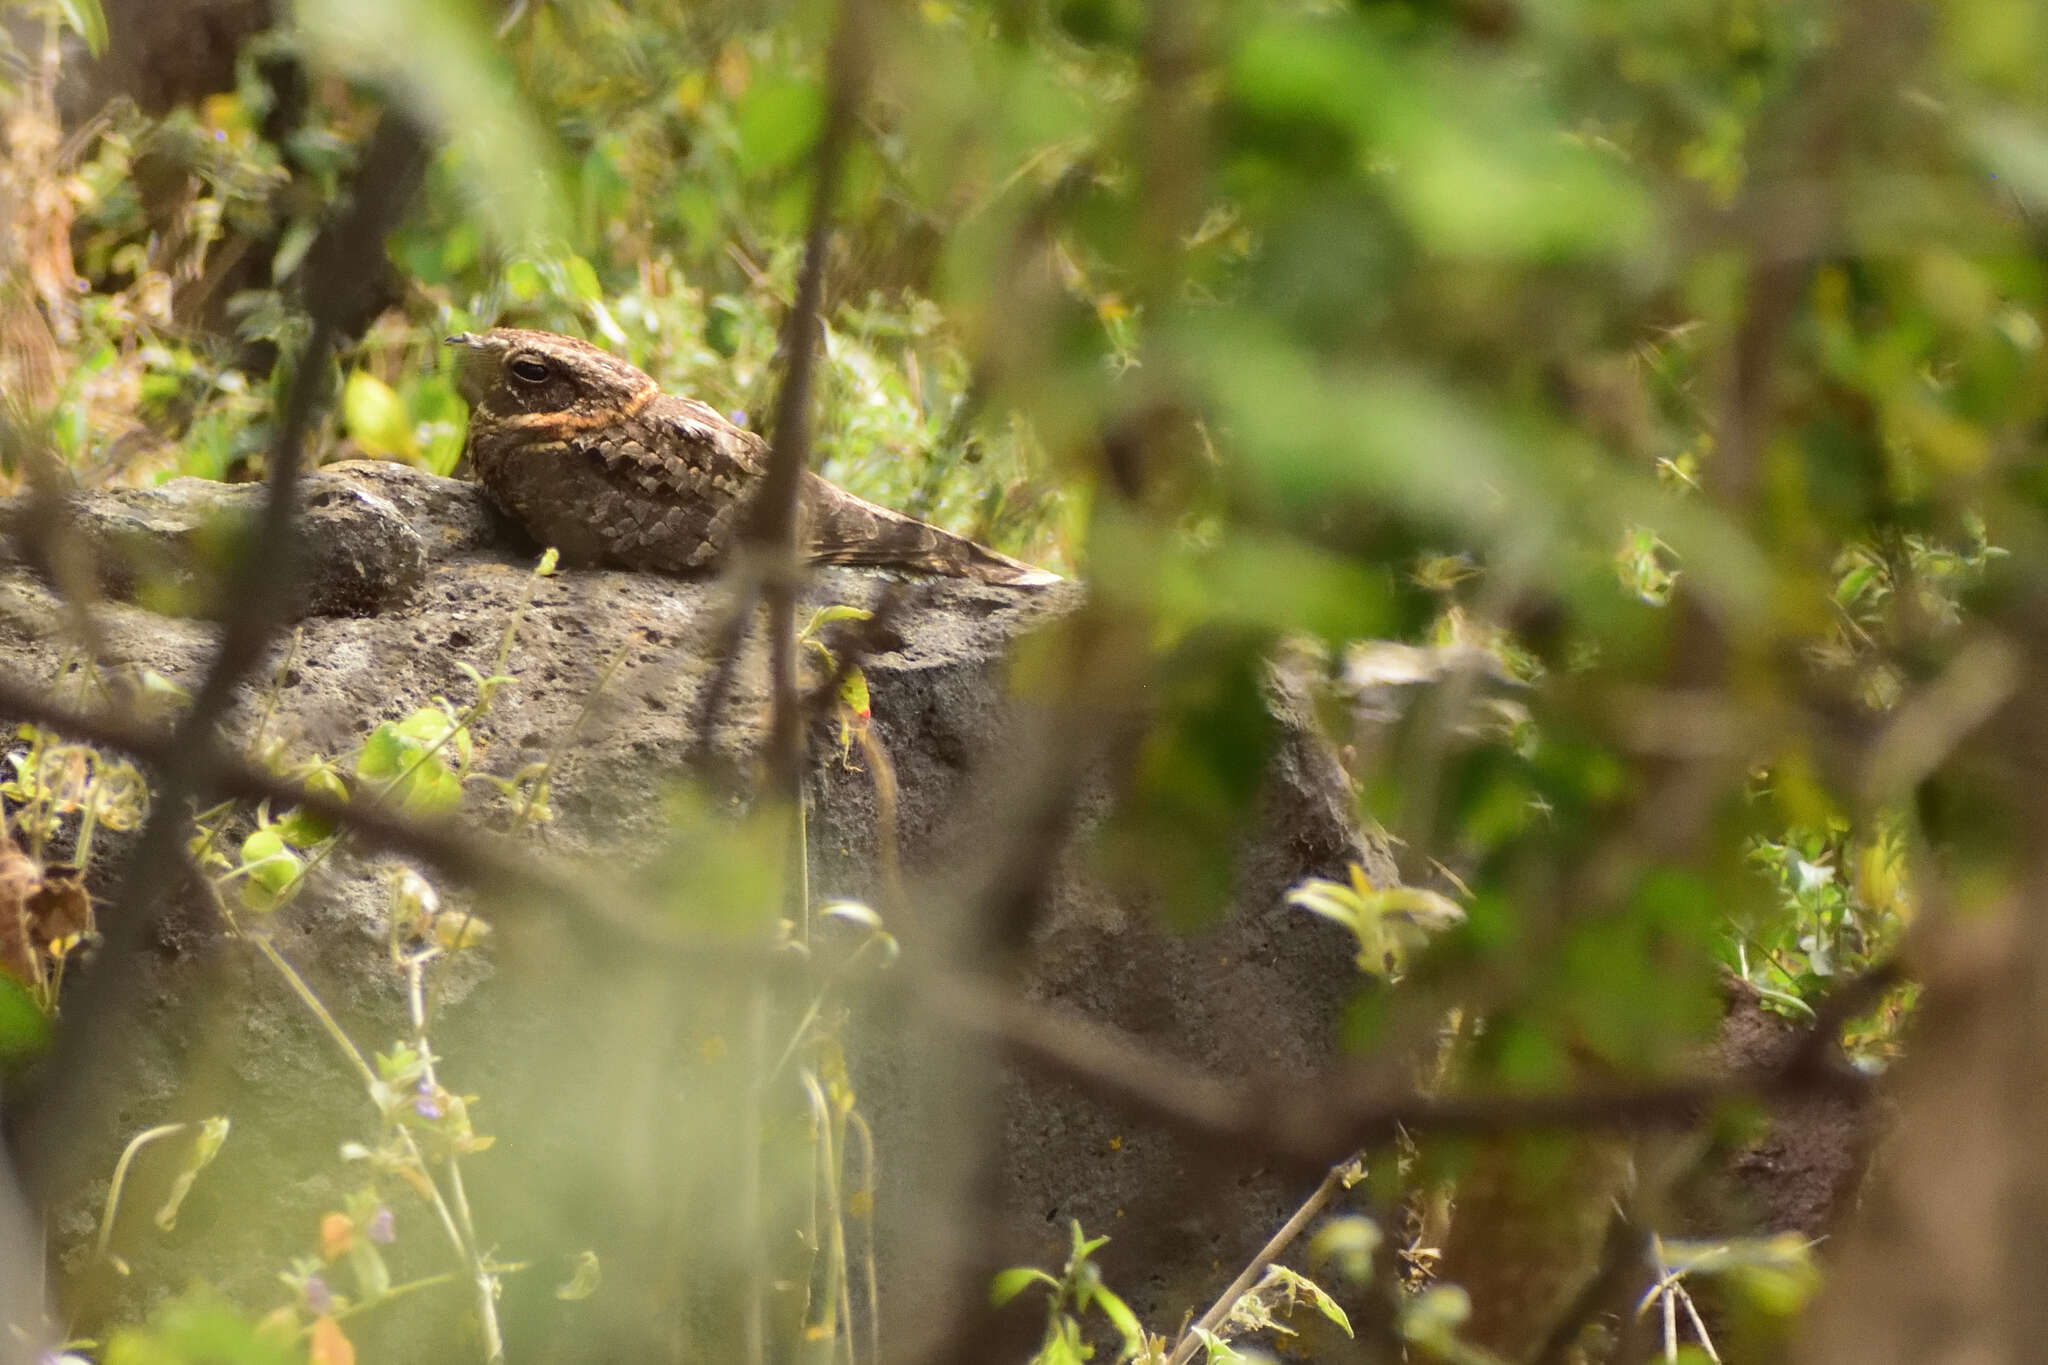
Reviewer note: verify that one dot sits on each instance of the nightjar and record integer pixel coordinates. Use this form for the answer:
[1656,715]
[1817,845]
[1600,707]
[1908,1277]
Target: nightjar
[592,458]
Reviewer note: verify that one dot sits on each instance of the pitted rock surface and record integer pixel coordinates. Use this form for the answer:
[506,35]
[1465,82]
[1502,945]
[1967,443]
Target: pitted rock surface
[564,1036]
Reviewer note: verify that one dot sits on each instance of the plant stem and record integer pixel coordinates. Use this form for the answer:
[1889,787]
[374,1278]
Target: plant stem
[120,1179]
[485,1279]
[1340,1177]
[866,1137]
[396,1291]
[822,1331]
[461,1234]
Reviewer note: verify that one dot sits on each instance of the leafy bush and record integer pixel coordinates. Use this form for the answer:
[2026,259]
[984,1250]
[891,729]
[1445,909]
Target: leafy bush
[1684,361]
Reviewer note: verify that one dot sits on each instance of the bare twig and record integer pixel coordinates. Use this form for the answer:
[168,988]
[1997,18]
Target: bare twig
[258,603]
[1306,1127]
[493,865]
[774,525]
[1244,1121]
[727,638]
[1340,1177]
[1620,1262]
[190,759]
[770,545]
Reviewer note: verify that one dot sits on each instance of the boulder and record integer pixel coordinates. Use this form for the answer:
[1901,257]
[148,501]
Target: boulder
[615,1081]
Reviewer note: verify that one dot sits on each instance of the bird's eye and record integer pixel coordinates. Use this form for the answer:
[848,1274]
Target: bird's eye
[530,371]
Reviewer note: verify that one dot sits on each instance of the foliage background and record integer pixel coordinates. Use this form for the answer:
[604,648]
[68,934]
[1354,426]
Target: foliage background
[1684,357]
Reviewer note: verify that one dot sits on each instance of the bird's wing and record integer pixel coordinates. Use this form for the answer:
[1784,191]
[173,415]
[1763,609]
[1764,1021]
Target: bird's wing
[672,483]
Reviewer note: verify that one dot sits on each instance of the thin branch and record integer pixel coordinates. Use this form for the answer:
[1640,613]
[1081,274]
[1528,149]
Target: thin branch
[348,255]
[493,865]
[1340,1177]
[727,638]
[1246,1121]
[189,760]
[774,525]
[1305,1128]
[771,548]
[1620,1265]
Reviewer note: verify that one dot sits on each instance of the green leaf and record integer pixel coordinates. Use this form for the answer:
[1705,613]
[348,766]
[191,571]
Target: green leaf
[441,60]
[292,245]
[269,868]
[1304,1287]
[432,789]
[778,121]
[197,1327]
[853,912]
[1312,443]
[1277,581]
[2015,147]
[383,756]
[1064,1349]
[366,1263]
[1778,1291]
[1502,187]
[853,692]
[1853,584]
[402,757]
[584,1281]
[300,827]
[1008,1284]
[376,418]
[1307,73]
[1350,1241]
[1425,909]
[583,279]
[1081,1246]
[1331,900]
[199,1154]
[1217,1351]
[825,616]
[88,21]
[1780,1251]
[24,1031]
[429,726]
[1125,1321]
[523,280]
[402,1063]
[1433,1317]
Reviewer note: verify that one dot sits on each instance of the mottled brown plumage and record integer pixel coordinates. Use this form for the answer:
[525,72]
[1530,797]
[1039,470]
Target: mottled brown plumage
[594,459]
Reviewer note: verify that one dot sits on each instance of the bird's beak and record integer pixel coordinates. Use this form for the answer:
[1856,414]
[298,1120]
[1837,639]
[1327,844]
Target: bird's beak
[472,365]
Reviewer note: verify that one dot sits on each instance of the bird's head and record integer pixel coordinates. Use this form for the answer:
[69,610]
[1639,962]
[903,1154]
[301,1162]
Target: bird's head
[518,378]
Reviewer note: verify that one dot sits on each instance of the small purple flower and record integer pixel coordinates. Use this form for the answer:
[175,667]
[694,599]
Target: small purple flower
[318,1297]
[426,1106]
[739,417]
[381,1228]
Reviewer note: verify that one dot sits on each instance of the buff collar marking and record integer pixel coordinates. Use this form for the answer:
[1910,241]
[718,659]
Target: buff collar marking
[585,421]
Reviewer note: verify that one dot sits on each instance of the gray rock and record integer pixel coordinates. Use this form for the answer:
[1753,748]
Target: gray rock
[166,547]
[614,1081]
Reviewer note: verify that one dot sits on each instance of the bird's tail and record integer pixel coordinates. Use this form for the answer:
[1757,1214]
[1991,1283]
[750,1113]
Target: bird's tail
[844,529]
